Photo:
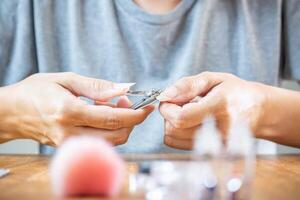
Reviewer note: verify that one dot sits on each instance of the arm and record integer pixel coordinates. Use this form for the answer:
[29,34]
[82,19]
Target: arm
[281,118]
[6,111]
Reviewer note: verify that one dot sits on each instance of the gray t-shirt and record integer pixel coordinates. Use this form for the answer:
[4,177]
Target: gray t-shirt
[116,40]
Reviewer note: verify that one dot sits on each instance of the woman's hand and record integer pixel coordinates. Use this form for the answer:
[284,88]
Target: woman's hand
[47,108]
[227,97]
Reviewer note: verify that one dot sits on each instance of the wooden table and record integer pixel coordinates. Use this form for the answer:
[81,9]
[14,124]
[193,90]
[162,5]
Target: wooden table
[277,177]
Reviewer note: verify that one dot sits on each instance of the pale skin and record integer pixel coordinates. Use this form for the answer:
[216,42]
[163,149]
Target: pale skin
[47,108]
[157,6]
[272,113]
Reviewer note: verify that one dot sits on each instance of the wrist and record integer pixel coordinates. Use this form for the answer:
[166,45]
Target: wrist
[8,125]
[267,126]
[262,121]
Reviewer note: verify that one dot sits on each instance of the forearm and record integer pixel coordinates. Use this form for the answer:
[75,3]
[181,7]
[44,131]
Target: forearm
[17,118]
[7,113]
[280,121]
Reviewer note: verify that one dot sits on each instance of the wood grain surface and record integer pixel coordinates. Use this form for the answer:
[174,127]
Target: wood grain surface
[276,177]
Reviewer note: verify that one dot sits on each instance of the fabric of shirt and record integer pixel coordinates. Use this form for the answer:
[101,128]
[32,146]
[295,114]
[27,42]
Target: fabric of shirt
[117,40]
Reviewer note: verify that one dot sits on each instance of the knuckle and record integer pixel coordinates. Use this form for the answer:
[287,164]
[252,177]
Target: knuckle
[65,113]
[56,142]
[60,118]
[108,84]
[124,139]
[179,121]
[96,84]
[112,121]
[229,75]
[194,83]
[51,139]
[184,80]
[178,144]
[34,76]
[183,84]
[37,76]
[169,141]
[45,140]
[101,84]
[205,76]
[205,73]
[69,74]
[141,118]
[69,77]
[121,138]
[169,129]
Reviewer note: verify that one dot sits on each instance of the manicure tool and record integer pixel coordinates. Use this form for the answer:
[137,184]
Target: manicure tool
[149,97]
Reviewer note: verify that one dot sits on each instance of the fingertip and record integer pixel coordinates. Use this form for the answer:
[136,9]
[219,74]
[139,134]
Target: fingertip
[124,102]
[150,108]
[181,98]
[165,105]
[118,89]
[147,110]
[169,94]
[168,110]
[161,105]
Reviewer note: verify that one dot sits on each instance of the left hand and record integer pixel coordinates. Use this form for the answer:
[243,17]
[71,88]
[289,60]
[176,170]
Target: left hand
[185,104]
[46,107]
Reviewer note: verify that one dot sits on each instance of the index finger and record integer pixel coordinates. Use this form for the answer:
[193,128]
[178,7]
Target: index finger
[188,115]
[187,88]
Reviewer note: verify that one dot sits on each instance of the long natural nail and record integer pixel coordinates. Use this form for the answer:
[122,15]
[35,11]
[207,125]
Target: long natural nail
[124,86]
[163,98]
[170,93]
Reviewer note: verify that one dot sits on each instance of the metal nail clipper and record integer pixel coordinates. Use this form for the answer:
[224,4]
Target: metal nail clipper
[149,97]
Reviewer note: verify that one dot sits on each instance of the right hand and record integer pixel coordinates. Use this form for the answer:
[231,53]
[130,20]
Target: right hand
[186,103]
[47,108]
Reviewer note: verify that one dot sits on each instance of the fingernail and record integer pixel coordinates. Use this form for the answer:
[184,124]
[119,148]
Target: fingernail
[169,93]
[124,86]
[162,98]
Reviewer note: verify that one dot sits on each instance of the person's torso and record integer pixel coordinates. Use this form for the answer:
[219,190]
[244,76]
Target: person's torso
[118,41]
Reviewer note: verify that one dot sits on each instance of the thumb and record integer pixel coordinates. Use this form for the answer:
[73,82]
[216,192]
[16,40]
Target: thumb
[187,88]
[124,102]
[92,88]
